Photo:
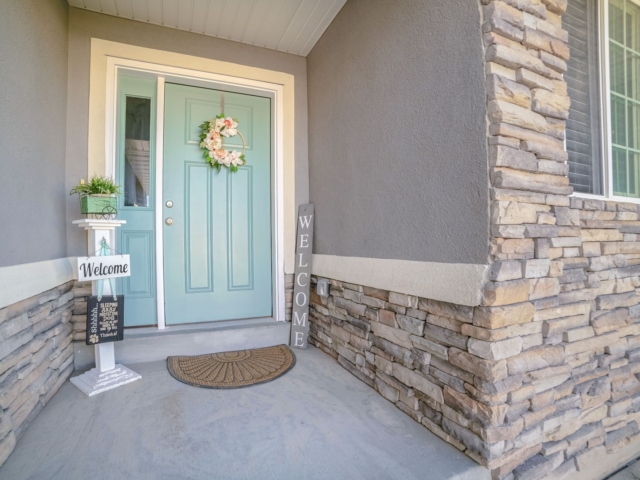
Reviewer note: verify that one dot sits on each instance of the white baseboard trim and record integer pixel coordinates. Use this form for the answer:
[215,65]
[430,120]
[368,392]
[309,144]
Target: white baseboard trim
[18,282]
[459,283]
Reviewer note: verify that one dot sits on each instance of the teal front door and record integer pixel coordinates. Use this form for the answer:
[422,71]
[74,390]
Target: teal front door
[217,225]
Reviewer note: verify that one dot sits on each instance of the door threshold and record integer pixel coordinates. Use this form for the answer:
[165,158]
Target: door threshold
[136,332]
[148,344]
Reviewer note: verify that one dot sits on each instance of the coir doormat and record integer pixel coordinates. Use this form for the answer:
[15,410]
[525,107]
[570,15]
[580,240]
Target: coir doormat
[238,369]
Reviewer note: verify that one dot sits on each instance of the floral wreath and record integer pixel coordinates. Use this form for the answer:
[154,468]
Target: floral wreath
[212,136]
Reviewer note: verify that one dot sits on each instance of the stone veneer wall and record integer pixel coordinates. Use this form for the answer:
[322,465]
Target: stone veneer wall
[81,291]
[36,357]
[288,296]
[541,380]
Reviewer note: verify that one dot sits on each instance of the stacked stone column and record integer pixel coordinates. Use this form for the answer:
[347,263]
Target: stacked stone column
[561,324]
[541,379]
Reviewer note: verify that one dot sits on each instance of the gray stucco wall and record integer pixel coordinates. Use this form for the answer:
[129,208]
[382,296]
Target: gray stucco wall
[83,25]
[33,102]
[397,132]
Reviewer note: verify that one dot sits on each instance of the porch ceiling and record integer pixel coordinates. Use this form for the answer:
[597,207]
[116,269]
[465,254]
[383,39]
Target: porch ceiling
[292,26]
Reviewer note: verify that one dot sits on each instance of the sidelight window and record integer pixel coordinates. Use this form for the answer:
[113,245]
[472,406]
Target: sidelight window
[137,152]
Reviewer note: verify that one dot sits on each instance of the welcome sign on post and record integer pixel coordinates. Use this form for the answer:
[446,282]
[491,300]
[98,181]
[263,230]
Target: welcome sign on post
[302,279]
[108,317]
[102,267]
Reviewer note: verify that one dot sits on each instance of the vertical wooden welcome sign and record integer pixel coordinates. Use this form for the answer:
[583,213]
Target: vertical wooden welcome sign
[302,279]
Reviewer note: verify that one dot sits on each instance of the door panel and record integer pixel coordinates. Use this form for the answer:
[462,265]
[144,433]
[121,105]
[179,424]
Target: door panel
[198,253]
[217,252]
[136,174]
[240,228]
[139,245]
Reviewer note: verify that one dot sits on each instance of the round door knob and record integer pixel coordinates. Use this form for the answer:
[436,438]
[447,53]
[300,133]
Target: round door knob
[169,204]
[169,221]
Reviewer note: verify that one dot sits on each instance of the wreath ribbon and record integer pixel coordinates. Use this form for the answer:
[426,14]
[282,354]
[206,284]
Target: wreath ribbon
[104,251]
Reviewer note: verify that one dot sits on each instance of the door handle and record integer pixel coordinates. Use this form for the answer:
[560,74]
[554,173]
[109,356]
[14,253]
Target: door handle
[169,221]
[169,203]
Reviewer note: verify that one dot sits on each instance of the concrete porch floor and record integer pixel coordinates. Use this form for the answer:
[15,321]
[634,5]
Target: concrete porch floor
[315,422]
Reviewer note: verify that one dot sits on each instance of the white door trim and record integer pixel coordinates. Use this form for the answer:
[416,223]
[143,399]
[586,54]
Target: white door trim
[185,76]
[159,177]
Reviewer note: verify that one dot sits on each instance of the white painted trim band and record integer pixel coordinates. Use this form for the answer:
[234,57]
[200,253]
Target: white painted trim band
[159,167]
[458,283]
[19,282]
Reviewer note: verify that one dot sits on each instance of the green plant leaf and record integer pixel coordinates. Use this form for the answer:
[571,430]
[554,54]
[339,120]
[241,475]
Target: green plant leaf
[98,185]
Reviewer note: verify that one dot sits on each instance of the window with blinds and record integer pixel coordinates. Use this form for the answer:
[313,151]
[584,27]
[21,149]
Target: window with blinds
[583,126]
[624,90]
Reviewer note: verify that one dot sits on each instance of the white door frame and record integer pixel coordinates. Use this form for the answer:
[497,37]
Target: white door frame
[185,76]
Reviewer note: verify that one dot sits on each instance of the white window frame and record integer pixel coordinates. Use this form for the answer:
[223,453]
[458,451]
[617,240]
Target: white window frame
[606,154]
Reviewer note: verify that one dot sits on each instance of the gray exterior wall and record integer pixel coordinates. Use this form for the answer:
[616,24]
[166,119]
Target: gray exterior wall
[33,102]
[397,132]
[84,25]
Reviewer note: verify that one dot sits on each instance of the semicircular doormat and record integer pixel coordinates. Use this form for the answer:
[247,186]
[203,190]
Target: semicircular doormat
[238,369]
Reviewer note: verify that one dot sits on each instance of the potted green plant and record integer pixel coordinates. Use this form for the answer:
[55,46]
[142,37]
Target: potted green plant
[98,196]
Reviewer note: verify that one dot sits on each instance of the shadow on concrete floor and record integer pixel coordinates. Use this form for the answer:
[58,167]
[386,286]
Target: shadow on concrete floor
[315,422]
[632,472]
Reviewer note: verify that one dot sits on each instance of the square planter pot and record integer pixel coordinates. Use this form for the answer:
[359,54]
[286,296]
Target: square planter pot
[98,204]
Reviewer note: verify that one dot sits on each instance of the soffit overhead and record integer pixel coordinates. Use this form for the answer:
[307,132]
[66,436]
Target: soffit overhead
[291,26]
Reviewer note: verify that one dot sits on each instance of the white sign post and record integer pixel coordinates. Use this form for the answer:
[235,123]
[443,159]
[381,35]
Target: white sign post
[107,374]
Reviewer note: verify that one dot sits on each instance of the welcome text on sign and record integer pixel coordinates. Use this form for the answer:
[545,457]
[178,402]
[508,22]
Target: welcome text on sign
[97,268]
[90,269]
[304,240]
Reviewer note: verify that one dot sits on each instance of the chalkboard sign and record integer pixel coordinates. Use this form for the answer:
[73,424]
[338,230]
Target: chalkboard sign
[105,319]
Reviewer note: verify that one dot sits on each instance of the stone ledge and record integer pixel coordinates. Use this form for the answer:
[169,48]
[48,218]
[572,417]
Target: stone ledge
[457,283]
